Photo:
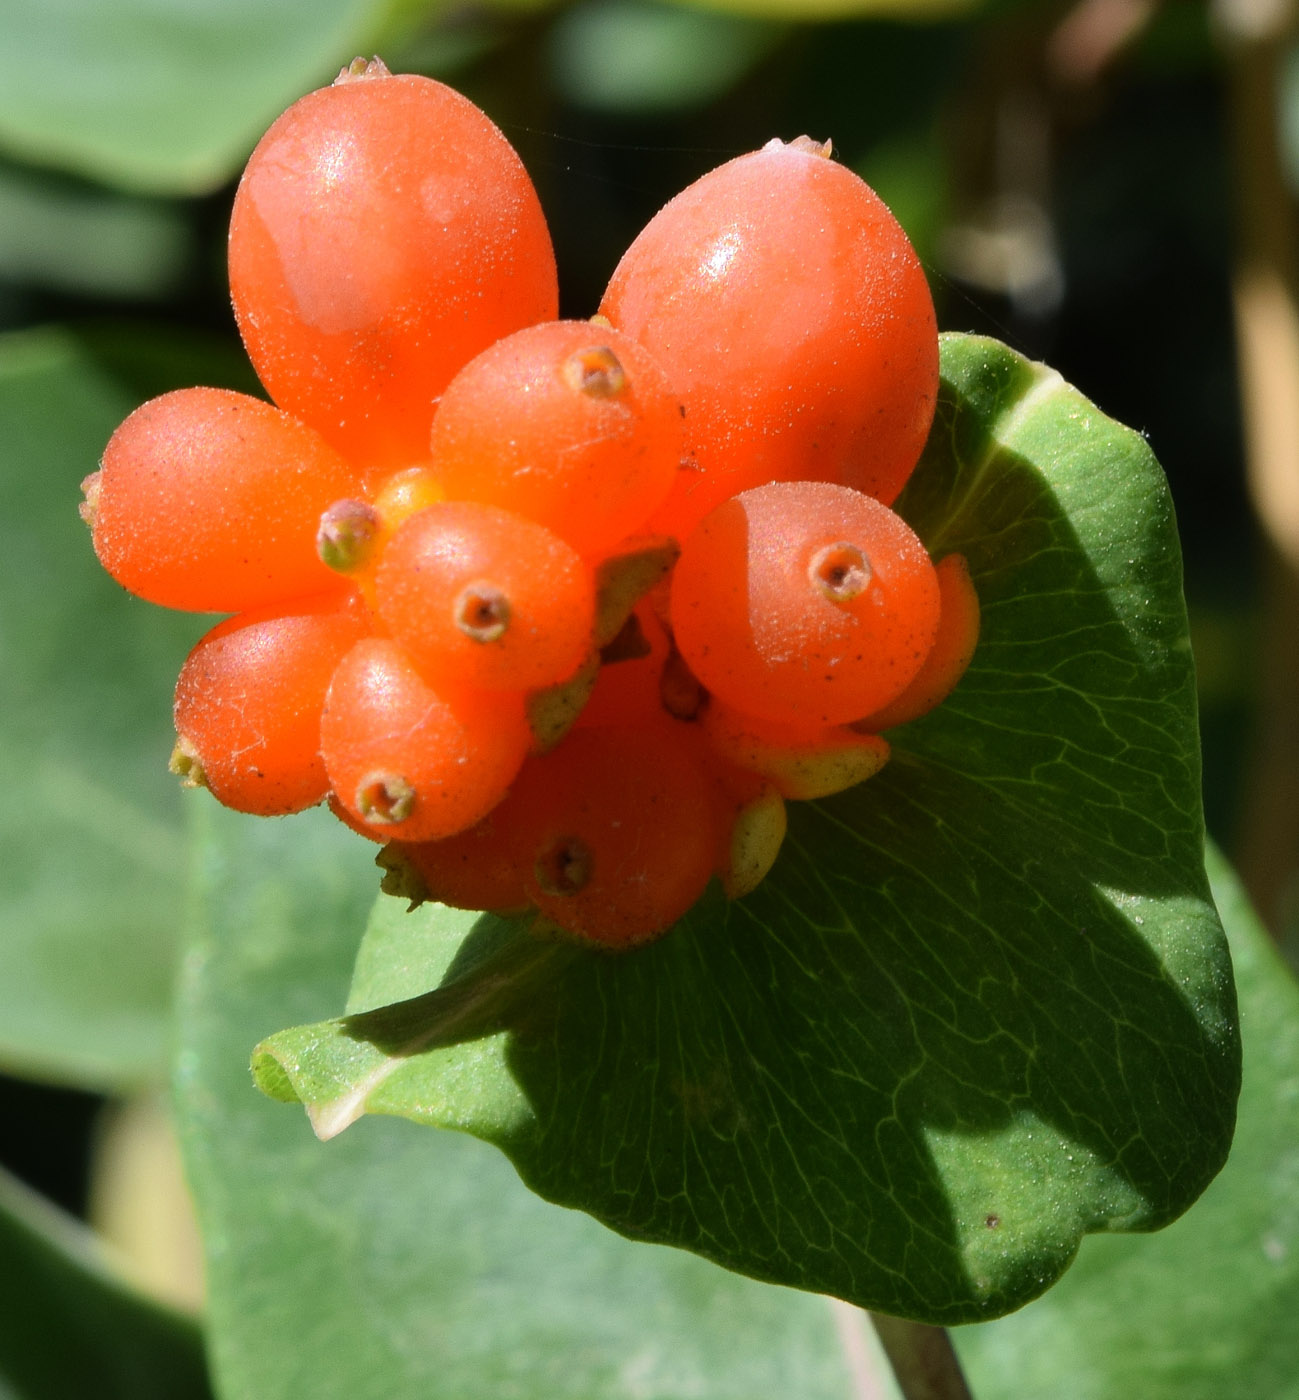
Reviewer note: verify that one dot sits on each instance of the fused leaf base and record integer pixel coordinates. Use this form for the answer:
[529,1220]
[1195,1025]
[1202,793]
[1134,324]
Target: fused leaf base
[981,1007]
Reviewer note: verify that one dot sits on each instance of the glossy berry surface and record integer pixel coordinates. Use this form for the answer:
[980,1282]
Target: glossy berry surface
[617,832]
[570,424]
[207,500]
[792,315]
[475,869]
[805,602]
[384,232]
[248,703]
[411,762]
[486,598]
[948,658]
[558,612]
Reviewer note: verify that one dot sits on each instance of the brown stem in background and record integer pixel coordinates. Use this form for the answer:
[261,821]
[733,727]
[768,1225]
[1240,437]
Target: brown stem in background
[1265,289]
[922,1358]
[1093,36]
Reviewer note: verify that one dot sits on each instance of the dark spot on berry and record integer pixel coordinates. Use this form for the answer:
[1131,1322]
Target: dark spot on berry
[563,867]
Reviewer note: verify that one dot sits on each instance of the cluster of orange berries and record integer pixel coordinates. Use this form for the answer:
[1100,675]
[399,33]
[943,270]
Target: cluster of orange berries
[561,611]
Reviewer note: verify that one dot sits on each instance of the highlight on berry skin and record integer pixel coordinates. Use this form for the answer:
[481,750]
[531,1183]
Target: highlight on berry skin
[805,602]
[561,613]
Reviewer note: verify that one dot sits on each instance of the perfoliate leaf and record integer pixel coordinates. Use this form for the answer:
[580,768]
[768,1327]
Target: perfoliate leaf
[1206,1310]
[983,1004]
[392,1264]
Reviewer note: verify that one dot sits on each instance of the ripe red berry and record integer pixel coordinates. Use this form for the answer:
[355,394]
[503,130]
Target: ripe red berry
[570,424]
[617,832]
[793,317]
[483,597]
[249,698]
[384,232]
[466,614]
[410,762]
[473,870]
[209,500]
[804,603]
[627,690]
[950,655]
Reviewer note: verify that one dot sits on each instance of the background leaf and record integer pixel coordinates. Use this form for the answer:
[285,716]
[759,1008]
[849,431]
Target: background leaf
[92,881]
[69,1328]
[805,10]
[1205,1310]
[398,1265]
[167,96]
[982,1006]
[59,233]
[630,56]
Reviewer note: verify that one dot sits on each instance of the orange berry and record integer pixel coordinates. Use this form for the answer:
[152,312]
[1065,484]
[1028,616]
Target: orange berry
[249,698]
[805,603]
[793,317]
[627,688]
[569,424]
[617,831]
[473,870]
[486,598]
[410,762]
[384,232]
[209,500]
[950,655]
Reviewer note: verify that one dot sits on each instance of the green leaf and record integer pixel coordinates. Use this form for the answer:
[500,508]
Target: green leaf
[1206,1310]
[982,1006]
[415,1266]
[92,880]
[167,96]
[75,238]
[802,11]
[68,1327]
[633,56]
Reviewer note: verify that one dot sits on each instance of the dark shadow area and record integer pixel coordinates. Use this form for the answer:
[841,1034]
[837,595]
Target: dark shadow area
[108,1342]
[45,1137]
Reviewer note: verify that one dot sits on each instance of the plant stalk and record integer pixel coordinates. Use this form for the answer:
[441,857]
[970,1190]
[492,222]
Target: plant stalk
[923,1359]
